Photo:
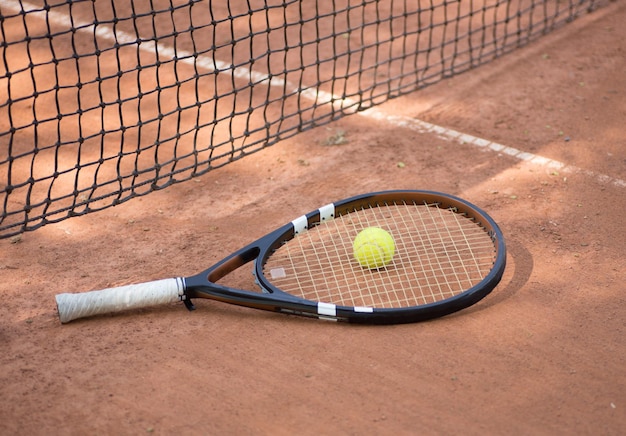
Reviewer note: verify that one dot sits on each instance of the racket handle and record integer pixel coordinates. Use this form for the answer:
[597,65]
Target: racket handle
[73,306]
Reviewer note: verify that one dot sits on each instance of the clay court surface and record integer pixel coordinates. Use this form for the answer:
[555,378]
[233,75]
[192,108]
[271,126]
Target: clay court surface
[543,354]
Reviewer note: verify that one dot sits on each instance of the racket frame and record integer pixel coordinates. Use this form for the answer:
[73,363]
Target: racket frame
[204,285]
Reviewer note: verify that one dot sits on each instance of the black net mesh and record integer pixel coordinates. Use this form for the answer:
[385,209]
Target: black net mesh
[102,101]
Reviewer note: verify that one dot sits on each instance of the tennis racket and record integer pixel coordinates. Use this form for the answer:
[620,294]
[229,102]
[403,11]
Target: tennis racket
[448,255]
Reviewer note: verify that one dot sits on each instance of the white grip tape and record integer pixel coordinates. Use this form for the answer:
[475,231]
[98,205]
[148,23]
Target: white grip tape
[73,306]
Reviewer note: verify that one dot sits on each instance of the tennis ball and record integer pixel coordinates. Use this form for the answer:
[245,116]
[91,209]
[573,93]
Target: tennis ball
[373,248]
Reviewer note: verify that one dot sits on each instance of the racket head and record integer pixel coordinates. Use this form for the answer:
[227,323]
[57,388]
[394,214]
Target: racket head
[449,254]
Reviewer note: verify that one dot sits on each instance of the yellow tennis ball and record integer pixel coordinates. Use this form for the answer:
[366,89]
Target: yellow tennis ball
[373,248]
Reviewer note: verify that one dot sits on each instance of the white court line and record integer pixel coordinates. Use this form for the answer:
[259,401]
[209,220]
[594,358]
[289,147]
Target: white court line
[316,96]
[463,138]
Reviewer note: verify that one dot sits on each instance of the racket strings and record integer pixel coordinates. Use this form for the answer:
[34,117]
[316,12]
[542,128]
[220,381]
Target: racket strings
[439,253]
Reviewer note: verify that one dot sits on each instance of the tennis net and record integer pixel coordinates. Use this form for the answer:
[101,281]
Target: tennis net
[103,101]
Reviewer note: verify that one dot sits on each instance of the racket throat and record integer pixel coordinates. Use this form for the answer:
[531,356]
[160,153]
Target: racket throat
[189,304]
